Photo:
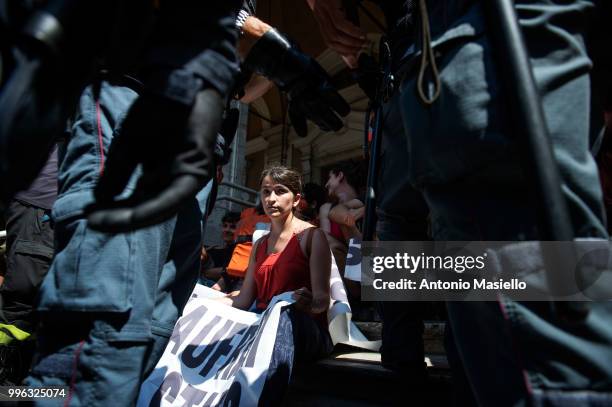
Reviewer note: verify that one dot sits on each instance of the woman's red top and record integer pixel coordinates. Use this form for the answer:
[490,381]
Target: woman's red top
[335,231]
[276,273]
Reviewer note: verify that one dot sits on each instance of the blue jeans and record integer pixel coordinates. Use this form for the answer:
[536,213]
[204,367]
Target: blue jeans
[461,157]
[110,302]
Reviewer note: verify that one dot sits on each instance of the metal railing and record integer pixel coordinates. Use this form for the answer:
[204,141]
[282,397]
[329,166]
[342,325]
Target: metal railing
[235,200]
[239,187]
[239,201]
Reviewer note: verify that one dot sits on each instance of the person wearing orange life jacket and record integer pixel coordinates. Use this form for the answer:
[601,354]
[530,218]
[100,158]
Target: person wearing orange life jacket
[233,275]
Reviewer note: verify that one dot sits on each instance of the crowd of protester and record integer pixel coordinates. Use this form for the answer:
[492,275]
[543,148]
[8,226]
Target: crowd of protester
[104,243]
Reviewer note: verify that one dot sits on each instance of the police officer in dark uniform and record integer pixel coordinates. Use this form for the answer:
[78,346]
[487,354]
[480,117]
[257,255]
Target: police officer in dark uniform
[449,139]
[152,77]
[106,317]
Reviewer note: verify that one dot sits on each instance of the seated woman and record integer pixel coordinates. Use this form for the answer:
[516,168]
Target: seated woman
[344,185]
[294,256]
[339,220]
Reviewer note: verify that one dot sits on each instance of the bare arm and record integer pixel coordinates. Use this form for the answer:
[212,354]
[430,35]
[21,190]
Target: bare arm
[324,217]
[358,213]
[347,213]
[350,232]
[354,204]
[256,88]
[253,29]
[320,271]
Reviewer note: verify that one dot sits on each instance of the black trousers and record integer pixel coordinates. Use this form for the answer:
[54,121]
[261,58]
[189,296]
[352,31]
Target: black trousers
[29,251]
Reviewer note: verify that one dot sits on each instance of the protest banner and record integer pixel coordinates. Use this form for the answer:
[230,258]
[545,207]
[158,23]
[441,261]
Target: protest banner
[217,355]
[339,316]
[352,269]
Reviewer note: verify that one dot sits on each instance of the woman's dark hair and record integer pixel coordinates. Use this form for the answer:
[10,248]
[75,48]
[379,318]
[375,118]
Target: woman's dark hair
[283,175]
[354,173]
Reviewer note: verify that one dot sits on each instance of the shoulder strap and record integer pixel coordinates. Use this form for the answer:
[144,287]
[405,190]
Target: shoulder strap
[311,233]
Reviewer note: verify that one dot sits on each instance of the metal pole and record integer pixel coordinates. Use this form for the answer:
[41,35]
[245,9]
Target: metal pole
[369,223]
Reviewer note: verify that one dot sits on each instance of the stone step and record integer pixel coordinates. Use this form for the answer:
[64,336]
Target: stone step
[353,377]
[350,377]
[371,361]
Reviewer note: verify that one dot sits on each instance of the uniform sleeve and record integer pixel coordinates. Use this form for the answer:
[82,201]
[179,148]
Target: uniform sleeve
[249,6]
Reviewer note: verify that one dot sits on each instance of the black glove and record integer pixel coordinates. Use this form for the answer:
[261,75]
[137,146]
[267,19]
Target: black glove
[174,143]
[311,95]
[368,76]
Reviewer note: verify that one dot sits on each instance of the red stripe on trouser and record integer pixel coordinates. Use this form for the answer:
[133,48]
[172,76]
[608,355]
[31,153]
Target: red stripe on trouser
[75,364]
[519,358]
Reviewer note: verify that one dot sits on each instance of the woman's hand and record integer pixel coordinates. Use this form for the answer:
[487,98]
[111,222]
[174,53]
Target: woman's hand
[303,299]
[356,214]
[306,303]
[227,299]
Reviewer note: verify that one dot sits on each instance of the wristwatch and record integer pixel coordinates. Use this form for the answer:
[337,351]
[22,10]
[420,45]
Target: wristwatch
[240,20]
